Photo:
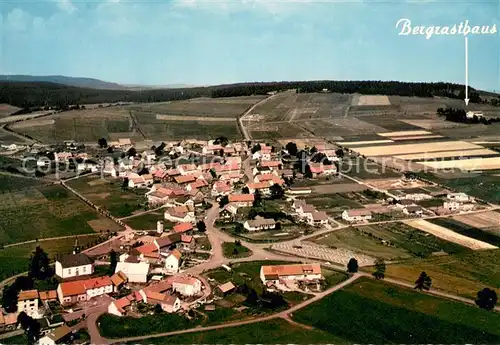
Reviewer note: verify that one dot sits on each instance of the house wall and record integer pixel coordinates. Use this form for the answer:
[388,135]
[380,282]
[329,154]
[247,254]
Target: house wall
[112,309]
[171,308]
[172,264]
[187,289]
[73,271]
[29,306]
[99,291]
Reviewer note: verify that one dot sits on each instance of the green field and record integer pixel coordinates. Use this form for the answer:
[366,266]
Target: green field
[12,183]
[462,274]
[139,122]
[269,332]
[375,312]
[401,241]
[332,203]
[108,193]
[46,211]
[481,186]
[148,221]
[14,260]
[111,326]
[232,250]
[467,230]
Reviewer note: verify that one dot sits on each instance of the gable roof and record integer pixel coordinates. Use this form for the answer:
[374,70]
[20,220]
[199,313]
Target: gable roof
[241,197]
[119,278]
[183,227]
[185,178]
[73,260]
[59,333]
[226,287]
[27,295]
[290,270]
[47,295]
[176,254]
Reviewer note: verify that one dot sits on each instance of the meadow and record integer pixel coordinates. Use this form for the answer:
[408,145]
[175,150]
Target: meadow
[463,274]
[14,260]
[46,211]
[467,230]
[110,195]
[276,331]
[140,121]
[391,241]
[380,313]
[148,221]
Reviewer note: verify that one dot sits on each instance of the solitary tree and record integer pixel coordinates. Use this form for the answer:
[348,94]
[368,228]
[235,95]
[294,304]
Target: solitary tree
[113,259]
[131,152]
[352,265]
[213,173]
[201,226]
[255,148]
[245,190]
[486,299]
[277,191]
[223,201]
[31,327]
[340,153]
[257,198]
[39,264]
[379,269]
[102,142]
[291,148]
[423,282]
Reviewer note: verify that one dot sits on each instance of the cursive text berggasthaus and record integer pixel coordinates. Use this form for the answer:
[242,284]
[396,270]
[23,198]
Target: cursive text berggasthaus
[464,28]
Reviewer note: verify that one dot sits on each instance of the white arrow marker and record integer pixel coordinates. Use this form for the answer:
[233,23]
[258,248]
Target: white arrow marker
[466,71]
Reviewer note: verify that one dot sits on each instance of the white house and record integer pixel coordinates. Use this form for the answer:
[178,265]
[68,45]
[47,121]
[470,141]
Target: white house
[186,286]
[460,197]
[73,265]
[299,191]
[172,261]
[417,196]
[295,272]
[137,272]
[357,215]
[456,206]
[413,211]
[56,336]
[259,223]
[27,301]
[317,218]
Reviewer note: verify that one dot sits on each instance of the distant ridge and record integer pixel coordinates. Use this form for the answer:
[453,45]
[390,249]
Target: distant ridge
[70,81]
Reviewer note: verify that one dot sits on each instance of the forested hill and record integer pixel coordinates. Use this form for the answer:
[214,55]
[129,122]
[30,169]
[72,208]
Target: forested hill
[40,94]
[91,83]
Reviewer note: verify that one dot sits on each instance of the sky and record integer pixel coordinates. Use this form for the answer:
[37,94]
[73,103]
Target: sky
[202,42]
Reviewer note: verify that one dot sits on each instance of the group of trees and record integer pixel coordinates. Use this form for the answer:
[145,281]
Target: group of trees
[38,269]
[459,115]
[42,95]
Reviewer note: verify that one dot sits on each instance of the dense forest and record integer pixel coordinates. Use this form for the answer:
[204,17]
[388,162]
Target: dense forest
[44,94]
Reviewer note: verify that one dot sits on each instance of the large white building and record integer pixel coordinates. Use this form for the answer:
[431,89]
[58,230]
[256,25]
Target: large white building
[186,286]
[295,272]
[73,265]
[137,272]
[357,215]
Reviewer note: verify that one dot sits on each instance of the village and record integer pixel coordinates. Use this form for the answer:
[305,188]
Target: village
[251,191]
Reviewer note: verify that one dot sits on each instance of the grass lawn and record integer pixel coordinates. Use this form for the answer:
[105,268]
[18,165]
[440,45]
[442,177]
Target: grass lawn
[482,186]
[16,340]
[203,243]
[14,260]
[333,277]
[379,313]
[10,183]
[112,326]
[232,250]
[108,193]
[467,230]
[148,221]
[406,241]
[270,332]
[462,274]
[42,212]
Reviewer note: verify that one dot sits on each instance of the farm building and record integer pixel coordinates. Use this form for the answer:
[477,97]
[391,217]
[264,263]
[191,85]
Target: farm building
[186,286]
[136,272]
[57,336]
[295,272]
[357,215]
[259,223]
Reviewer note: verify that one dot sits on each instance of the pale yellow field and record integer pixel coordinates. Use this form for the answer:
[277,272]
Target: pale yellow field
[193,118]
[439,154]
[374,100]
[417,137]
[415,148]
[480,220]
[403,133]
[365,142]
[33,123]
[489,163]
[432,123]
[448,235]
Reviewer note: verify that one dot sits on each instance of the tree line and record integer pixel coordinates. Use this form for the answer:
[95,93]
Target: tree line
[459,115]
[45,94]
